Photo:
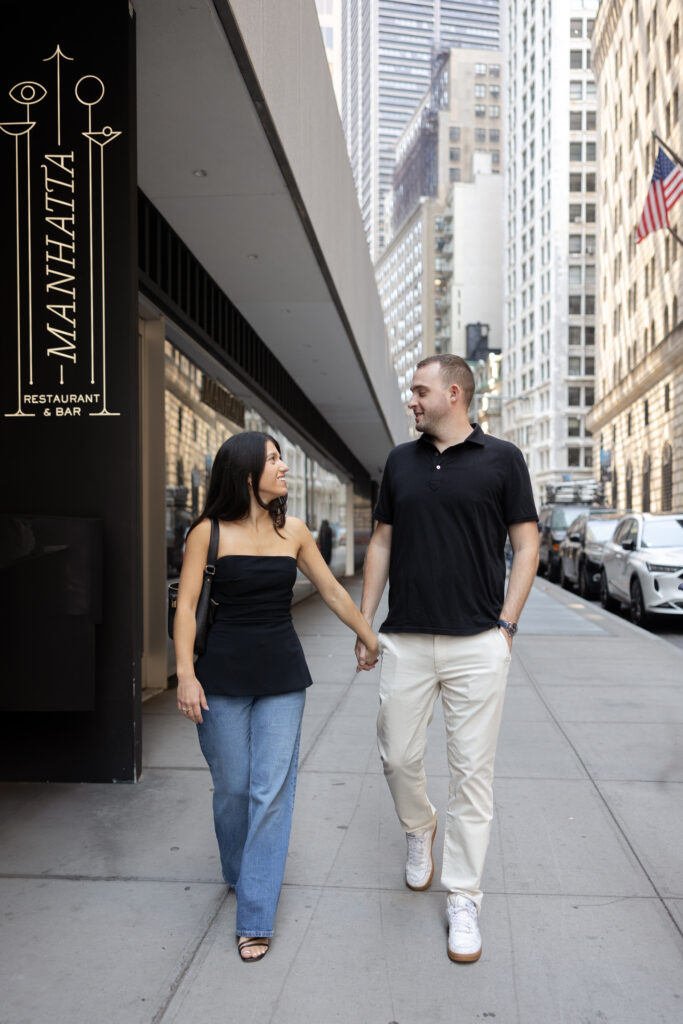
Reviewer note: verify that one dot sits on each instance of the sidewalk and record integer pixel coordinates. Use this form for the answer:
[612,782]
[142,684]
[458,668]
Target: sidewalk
[114,912]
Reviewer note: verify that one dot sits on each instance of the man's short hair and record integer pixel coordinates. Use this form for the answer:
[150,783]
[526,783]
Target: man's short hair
[454,370]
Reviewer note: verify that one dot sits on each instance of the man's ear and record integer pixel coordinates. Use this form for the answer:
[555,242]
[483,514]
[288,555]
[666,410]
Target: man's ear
[454,392]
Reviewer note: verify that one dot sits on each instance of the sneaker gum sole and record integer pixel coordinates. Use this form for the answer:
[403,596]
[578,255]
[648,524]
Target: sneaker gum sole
[463,958]
[421,888]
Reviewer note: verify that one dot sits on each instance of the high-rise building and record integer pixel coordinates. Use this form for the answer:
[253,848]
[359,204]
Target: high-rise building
[330,18]
[638,418]
[442,264]
[387,48]
[550,249]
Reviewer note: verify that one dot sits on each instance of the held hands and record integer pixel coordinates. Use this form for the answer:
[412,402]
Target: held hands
[191,699]
[367,657]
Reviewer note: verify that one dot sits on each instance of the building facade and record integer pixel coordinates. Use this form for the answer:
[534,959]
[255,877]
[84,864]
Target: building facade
[638,418]
[330,17]
[387,49]
[446,176]
[550,279]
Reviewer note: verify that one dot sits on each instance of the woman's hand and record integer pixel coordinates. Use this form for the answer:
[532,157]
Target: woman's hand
[191,699]
[367,654]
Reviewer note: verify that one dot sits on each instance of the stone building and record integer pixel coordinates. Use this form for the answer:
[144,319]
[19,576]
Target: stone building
[638,418]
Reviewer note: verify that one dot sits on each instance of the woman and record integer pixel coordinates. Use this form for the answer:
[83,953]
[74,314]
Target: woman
[247,691]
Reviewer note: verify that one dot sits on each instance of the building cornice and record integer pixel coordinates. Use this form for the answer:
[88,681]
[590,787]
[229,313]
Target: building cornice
[661,361]
[606,22]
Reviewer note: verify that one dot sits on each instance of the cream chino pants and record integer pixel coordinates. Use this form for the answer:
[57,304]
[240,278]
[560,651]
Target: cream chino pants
[470,672]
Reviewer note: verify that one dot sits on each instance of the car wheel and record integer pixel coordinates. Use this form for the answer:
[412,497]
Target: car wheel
[607,602]
[565,583]
[639,616]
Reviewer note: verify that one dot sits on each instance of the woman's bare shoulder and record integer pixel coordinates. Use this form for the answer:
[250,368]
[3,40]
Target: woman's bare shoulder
[296,526]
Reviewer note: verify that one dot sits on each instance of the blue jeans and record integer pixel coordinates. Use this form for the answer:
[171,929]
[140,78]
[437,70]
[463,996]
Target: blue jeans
[251,745]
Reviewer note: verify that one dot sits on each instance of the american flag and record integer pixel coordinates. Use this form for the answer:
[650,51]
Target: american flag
[665,189]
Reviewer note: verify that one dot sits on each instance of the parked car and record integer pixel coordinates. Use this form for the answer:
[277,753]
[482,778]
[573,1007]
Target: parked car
[581,550]
[553,520]
[642,566]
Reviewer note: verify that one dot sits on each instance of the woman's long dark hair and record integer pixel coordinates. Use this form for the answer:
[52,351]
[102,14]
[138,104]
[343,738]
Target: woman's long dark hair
[229,498]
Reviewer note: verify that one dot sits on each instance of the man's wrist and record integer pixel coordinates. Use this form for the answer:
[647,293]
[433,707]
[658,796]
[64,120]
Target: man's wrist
[509,627]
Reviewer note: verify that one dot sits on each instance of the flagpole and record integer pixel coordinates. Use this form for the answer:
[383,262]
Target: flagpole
[668,148]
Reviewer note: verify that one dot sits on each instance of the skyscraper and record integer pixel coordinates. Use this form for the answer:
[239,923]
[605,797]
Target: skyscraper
[387,48]
[550,253]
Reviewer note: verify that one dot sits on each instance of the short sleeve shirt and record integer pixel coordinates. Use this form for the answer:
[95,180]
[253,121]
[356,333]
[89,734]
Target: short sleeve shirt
[450,512]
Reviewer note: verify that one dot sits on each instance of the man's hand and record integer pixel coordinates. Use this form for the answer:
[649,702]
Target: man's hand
[367,659]
[507,637]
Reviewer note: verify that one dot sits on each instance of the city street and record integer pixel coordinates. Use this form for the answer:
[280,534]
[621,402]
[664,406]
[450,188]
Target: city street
[114,908]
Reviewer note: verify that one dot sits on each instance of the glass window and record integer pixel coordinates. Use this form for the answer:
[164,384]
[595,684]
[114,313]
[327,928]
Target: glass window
[576,28]
[494,70]
[590,396]
[575,212]
[455,153]
[454,134]
[454,174]
[573,426]
[575,275]
[494,134]
[575,151]
[573,456]
[574,304]
[575,182]
[663,533]
[574,366]
[480,92]
[480,110]
[590,309]
[574,334]
[590,120]
[590,213]
[574,244]
[590,151]
[494,110]
[576,58]
[494,92]
[575,120]
[480,135]
[480,69]
[573,396]
[590,183]
[576,90]
[495,156]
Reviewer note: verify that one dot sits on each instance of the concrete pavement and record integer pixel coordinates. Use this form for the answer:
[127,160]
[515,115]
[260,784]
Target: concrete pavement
[114,911]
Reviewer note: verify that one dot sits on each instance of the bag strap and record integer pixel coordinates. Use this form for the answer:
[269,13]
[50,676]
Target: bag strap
[210,568]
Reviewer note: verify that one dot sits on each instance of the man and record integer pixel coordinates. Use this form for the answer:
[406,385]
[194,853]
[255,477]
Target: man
[446,505]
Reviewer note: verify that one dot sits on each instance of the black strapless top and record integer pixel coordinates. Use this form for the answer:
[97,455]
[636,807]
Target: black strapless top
[252,649]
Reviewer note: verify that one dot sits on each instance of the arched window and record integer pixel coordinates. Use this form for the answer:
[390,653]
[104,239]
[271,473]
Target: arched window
[667,478]
[615,489]
[666,321]
[629,485]
[646,483]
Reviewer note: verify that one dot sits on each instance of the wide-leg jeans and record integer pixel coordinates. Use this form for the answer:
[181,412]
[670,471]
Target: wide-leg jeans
[251,745]
[470,673]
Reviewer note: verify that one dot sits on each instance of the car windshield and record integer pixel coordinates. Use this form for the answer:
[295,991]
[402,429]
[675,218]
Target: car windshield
[562,517]
[600,529]
[663,533]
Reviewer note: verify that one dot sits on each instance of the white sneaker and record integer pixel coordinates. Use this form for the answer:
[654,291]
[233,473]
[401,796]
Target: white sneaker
[419,862]
[464,938]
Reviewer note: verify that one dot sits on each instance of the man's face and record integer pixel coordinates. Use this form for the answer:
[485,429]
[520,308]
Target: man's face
[431,402]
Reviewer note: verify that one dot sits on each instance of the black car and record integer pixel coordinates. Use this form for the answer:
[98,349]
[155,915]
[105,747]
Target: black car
[553,520]
[581,550]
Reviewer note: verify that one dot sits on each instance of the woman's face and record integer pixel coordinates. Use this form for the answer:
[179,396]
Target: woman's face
[273,483]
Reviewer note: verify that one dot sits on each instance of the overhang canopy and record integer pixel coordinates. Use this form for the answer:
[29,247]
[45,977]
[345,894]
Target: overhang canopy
[241,148]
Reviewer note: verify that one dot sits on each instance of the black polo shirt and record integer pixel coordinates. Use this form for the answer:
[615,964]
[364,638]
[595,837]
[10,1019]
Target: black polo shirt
[449,512]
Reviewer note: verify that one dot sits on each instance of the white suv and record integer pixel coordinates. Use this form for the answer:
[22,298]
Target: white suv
[642,565]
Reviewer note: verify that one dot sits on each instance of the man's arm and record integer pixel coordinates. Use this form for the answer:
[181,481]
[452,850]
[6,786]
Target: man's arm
[524,541]
[375,576]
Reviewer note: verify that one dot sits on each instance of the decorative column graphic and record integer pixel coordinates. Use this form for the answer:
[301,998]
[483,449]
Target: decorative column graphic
[61,209]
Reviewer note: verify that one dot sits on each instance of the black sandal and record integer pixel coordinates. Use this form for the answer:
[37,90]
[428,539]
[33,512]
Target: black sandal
[246,943]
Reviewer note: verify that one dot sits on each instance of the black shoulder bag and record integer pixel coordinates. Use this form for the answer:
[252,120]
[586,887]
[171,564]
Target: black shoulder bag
[206,606]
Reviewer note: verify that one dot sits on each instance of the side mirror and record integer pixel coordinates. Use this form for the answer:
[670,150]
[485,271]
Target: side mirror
[629,545]
[575,537]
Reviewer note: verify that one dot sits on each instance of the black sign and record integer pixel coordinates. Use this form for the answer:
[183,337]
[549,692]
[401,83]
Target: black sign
[62,153]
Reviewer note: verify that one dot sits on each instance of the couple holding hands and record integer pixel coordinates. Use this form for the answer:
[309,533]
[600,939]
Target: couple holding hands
[447,503]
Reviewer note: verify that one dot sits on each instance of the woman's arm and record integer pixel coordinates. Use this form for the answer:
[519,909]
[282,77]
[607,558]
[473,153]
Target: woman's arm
[313,566]
[190,692]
